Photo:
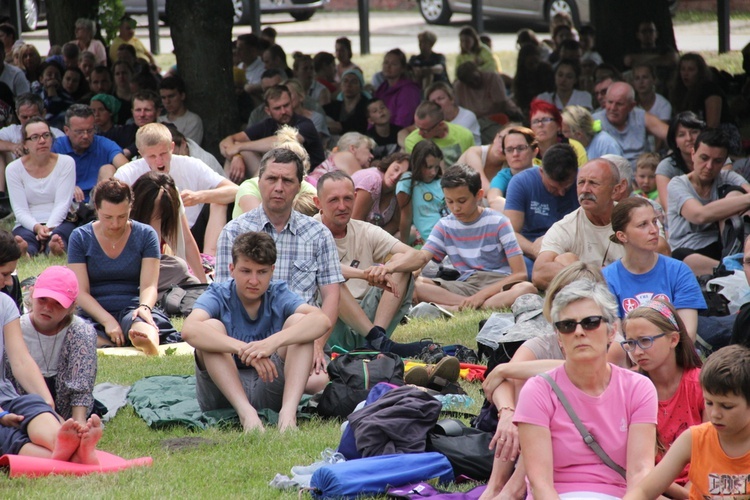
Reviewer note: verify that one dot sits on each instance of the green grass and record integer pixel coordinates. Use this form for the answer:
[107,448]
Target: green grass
[223,463]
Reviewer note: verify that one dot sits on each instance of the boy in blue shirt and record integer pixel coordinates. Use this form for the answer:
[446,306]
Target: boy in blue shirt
[252,350]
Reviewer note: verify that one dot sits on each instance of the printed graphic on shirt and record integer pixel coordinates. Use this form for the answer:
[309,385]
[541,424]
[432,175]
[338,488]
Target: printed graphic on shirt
[541,209]
[723,486]
[630,303]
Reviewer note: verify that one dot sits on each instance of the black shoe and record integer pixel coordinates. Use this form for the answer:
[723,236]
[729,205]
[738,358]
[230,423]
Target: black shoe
[431,353]
[466,355]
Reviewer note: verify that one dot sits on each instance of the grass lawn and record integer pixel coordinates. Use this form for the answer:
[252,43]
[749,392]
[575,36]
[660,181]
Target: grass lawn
[213,463]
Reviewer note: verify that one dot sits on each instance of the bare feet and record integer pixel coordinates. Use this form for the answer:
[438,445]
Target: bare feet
[23,246]
[68,440]
[144,342]
[56,245]
[286,422]
[86,453]
[251,422]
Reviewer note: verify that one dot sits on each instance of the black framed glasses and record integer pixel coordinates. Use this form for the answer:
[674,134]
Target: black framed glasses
[643,342]
[588,324]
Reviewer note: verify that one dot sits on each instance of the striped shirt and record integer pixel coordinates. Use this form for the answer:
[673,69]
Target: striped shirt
[307,258]
[483,245]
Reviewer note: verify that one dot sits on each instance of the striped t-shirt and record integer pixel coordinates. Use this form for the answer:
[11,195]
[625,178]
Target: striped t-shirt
[483,245]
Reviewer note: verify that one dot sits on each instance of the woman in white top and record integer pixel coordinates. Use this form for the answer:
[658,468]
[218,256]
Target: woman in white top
[40,187]
[565,94]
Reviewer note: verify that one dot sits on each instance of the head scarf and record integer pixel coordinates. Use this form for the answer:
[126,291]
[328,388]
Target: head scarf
[358,74]
[110,102]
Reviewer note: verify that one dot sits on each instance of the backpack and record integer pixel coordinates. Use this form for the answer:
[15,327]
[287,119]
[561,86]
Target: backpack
[467,449]
[353,375]
[179,300]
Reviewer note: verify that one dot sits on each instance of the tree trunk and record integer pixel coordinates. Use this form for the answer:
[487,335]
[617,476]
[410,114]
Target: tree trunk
[62,15]
[617,23]
[202,45]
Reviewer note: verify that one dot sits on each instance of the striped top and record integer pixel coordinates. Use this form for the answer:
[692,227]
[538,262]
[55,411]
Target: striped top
[484,244]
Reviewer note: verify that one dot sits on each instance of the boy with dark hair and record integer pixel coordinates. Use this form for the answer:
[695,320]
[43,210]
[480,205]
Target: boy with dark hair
[383,132]
[172,93]
[252,350]
[718,451]
[481,245]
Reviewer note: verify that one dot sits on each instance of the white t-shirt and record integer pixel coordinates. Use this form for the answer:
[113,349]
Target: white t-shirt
[190,124]
[188,173]
[468,119]
[575,233]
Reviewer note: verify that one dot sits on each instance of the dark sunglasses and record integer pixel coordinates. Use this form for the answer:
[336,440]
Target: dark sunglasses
[588,324]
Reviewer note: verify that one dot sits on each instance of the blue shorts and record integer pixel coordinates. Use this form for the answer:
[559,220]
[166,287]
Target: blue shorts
[12,439]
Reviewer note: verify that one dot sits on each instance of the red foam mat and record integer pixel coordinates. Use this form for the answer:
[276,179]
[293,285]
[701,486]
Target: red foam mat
[20,465]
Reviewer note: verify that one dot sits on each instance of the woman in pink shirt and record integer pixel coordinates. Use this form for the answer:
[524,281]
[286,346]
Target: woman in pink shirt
[616,405]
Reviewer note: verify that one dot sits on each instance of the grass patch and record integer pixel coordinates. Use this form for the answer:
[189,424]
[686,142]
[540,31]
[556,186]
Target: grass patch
[218,463]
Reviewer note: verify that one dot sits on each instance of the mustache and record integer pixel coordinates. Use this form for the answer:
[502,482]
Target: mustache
[586,196]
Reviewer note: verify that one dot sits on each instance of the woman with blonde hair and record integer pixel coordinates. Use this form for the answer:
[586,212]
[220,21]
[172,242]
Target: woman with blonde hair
[353,153]
[578,124]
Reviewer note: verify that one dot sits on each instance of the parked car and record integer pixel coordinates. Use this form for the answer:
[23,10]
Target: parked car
[32,11]
[533,11]
[301,10]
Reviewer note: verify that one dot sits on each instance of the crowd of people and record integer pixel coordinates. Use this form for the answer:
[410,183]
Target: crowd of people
[317,224]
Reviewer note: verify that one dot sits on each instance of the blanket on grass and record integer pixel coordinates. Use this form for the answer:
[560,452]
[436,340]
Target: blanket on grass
[19,465]
[167,400]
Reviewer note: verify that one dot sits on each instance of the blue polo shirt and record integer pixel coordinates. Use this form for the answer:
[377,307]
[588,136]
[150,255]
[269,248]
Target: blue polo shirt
[101,152]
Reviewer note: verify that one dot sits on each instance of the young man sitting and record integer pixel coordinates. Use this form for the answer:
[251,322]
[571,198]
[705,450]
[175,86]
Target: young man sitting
[252,349]
[481,245]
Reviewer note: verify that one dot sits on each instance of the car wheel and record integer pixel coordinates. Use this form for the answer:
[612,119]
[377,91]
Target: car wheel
[241,11]
[30,18]
[568,7]
[302,15]
[435,11]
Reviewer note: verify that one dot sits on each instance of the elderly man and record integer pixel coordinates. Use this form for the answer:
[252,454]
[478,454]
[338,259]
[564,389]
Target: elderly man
[308,260]
[627,123]
[430,124]
[365,311]
[243,149]
[96,157]
[584,233]
[199,186]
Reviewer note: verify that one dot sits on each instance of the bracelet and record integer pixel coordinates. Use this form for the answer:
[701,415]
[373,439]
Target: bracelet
[3,413]
[237,155]
[500,410]
[146,306]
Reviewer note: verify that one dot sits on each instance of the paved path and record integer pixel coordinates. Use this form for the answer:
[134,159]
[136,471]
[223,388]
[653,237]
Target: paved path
[399,29]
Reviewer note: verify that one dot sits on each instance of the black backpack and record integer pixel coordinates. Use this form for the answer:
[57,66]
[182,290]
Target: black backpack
[467,449]
[353,375]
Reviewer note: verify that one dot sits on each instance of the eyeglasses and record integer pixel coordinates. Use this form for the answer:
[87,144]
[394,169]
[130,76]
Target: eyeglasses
[518,149]
[428,130]
[81,133]
[588,324]
[542,121]
[35,138]
[643,342]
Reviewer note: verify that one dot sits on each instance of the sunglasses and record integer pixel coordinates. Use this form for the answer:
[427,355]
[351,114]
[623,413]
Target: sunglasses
[643,342]
[588,324]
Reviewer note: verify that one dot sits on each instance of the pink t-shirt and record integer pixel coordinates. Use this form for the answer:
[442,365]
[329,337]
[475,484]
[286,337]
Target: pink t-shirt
[371,180]
[679,412]
[630,398]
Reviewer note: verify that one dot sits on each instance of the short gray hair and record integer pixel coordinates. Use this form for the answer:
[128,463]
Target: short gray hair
[86,24]
[78,111]
[624,168]
[355,139]
[587,289]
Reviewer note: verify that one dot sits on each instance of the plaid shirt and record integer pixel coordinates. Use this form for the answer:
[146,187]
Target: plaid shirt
[307,256]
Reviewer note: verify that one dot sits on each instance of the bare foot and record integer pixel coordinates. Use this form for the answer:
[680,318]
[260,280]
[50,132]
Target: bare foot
[144,342]
[68,440]
[287,423]
[251,422]
[22,245]
[56,245]
[86,453]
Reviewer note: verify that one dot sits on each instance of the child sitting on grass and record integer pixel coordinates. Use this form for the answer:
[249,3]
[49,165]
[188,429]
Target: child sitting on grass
[645,175]
[718,451]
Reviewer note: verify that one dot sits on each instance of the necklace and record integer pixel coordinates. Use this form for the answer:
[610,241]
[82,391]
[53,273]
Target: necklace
[41,348]
[118,239]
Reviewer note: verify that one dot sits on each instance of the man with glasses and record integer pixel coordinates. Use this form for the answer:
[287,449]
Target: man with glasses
[430,124]
[538,197]
[584,233]
[96,157]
